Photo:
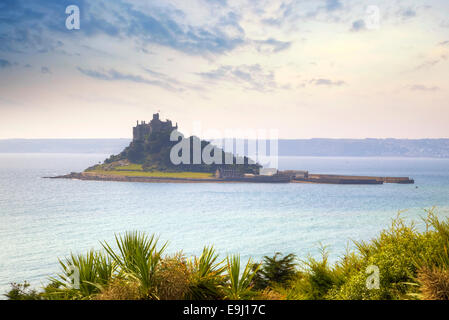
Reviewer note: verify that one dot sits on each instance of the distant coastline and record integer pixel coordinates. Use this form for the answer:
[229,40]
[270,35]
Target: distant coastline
[418,148]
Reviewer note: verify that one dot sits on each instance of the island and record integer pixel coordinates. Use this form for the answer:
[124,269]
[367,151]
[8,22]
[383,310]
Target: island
[152,156]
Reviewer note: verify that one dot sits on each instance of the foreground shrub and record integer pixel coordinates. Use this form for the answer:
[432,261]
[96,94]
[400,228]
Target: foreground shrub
[22,291]
[270,294]
[120,289]
[274,271]
[172,278]
[137,257]
[239,283]
[93,270]
[434,283]
[206,276]
[410,265]
[398,253]
[314,281]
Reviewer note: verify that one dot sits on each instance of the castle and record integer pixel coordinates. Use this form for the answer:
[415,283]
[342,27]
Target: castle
[142,130]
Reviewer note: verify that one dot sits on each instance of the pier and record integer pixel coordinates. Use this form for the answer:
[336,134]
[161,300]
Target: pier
[305,177]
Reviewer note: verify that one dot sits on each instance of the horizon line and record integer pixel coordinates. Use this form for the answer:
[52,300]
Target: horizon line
[315,138]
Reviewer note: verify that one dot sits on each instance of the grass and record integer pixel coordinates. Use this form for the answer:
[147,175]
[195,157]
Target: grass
[130,167]
[411,265]
[155,174]
[136,170]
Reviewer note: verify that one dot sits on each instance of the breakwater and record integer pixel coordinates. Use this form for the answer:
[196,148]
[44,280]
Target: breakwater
[346,179]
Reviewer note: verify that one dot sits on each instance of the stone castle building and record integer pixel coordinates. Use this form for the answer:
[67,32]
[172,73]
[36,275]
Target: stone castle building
[140,131]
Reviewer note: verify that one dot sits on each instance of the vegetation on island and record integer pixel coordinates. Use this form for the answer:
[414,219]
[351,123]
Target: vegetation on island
[124,168]
[153,155]
[412,264]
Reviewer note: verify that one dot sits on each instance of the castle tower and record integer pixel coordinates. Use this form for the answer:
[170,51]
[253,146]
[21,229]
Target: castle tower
[142,130]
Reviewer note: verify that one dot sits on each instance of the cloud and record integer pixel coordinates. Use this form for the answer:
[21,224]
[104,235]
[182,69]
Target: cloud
[444,43]
[171,81]
[332,5]
[113,75]
[419,87]
[161,29]
[45,70]
[293,13]
[358,25]
[327,82]
[271,45]
[251,77]
[222,3]
[431,62]
[36,26]
[158,74]
[24,25]
[407,13]
[4,63]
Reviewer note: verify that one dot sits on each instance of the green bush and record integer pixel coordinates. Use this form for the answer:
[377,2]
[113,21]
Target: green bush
[411,265]
[137,258]
[22,291]
[398,253]
[315,279]
[94,271]
[276,270]
[206,276]
[239,283]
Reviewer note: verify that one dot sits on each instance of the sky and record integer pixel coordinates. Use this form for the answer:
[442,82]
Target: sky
[306,68]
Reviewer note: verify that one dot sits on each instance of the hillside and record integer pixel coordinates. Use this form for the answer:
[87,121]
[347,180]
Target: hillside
[152,153]
[432,148]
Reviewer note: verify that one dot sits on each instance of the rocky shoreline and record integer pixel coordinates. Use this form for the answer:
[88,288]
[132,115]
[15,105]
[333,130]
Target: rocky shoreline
[93,176]
[101,177]
[312,178]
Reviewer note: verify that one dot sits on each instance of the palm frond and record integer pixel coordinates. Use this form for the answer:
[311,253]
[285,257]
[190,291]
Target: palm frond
[137,257]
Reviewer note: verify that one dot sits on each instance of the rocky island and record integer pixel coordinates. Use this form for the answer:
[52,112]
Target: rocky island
[150,158]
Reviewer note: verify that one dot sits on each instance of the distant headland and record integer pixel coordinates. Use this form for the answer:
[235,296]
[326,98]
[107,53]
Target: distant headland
[153,153]
[317,147]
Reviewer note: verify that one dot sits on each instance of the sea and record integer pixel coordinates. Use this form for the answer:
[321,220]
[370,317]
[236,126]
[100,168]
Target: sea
[43,220]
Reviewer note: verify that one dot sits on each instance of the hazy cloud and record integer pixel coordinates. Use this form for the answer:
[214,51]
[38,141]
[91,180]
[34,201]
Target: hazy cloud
[45,70]
[36,26]
[407,13]
[292,12]
[271,45]
[332,5]
[170,80]
[163,30]
[114,75]
[358,25]
[327,82]
[5,63]
[419,87]
[431,62]
[252,77]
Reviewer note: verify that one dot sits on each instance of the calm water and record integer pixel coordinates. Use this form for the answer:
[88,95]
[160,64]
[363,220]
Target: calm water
[43,219]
